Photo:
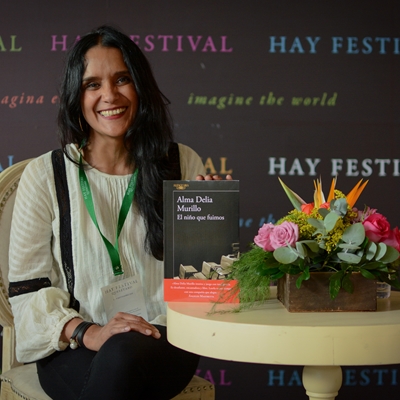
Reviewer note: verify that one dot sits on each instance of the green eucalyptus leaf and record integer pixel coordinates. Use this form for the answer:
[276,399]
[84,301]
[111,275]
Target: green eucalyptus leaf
[292,249]
[323,212]
[381,251]
[349,258]
[301,249]
[360,253]
[370,250]
[339,206]
[391,255]
[330,221]
[348,246]
[285,255]
[311,244]
[316,223]
[354,234]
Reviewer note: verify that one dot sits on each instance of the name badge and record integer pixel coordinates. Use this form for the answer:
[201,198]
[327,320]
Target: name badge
[124,296]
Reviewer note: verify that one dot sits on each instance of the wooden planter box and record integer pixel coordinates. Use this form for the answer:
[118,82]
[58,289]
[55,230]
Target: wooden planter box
[313,295]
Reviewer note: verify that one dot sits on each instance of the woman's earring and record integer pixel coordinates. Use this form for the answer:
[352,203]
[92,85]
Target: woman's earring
[80,123]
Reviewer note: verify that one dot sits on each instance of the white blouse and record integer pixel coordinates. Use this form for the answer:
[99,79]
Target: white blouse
[35,252]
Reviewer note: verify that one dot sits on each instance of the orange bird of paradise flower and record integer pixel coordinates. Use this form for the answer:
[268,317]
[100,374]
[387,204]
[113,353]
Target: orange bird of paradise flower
[319,197]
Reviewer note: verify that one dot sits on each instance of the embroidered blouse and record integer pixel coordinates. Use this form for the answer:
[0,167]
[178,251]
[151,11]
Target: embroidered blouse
[35,252]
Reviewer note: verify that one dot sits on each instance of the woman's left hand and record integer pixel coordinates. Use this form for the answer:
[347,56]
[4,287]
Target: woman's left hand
[211,177]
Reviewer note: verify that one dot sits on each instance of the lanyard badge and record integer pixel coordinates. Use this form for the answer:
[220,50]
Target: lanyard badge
[113,250]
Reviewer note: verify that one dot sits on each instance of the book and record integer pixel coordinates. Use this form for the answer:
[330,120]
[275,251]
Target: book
[201,238]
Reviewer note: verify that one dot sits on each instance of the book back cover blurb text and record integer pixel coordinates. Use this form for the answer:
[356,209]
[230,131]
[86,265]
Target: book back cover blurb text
[201,238]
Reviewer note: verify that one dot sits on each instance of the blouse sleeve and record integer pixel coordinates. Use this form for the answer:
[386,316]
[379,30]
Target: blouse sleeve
[39,313]
[191,164]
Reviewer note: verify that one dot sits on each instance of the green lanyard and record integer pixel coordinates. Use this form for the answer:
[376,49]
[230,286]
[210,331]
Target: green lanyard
[113,251]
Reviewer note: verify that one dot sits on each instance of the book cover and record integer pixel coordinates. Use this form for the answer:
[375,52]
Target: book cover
[201,238]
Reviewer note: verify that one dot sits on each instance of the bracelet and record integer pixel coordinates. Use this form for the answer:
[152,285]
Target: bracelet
[76,339]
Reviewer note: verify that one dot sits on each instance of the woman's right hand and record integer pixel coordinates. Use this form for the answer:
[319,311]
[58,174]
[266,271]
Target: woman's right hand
[122,322]
[96,335]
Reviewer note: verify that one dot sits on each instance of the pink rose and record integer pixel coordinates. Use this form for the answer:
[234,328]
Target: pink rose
[263,238]
[393,239]
[287,233]
[377,227]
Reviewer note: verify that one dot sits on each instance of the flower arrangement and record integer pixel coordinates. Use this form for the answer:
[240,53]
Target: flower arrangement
[325,235]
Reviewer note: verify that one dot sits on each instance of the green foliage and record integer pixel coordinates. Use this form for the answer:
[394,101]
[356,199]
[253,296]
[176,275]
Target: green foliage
[254,271]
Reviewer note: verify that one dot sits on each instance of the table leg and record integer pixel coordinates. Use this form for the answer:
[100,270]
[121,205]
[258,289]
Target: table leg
[322,382]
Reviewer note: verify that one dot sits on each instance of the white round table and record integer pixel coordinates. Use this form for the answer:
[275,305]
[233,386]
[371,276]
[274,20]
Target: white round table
[269,334]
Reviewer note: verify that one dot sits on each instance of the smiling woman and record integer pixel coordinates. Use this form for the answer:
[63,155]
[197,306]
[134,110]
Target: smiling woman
[109,104]
[88,221]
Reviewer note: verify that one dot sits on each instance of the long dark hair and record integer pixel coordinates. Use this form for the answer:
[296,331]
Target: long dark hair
[147,140]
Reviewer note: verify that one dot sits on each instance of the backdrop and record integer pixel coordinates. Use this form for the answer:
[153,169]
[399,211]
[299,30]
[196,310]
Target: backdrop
[259,89]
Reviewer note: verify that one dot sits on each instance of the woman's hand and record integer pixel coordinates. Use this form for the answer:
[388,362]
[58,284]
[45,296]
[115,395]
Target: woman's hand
[122,322]
[211,177]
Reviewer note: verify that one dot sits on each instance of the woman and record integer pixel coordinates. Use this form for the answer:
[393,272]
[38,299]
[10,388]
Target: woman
[116,135]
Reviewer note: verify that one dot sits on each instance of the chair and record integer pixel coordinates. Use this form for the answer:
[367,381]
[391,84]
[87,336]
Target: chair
[19,381]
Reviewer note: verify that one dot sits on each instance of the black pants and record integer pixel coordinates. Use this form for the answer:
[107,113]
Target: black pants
[128,366]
